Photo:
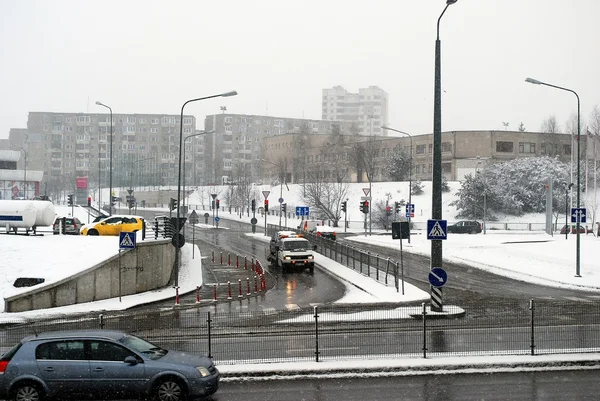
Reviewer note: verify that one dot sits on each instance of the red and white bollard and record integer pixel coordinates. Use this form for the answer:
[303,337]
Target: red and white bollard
[237,261]
[245,263]
[255,284]
[253,265]
[263,283]
[176,295]
[240,286]
[213,257]
[248,284]
[215,292]
[221,261]
[197,294]
[228,259]
[229,290]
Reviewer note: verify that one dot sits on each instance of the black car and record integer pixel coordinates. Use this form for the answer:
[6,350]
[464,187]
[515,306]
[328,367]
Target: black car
[465,227]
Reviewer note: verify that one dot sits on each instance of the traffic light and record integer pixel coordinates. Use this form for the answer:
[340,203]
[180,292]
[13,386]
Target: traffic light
[89,201]
[173,204]
[344,206]
[218,203]
[266,205]
[253,204]
[388,211]
[397,207]
[284,207]
[113,200]
[70,200]
[364,206]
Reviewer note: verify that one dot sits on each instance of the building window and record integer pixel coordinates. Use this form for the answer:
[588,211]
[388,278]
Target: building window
[430,148]
[446,147]
[131,120]
[154,130]
[154,121]
[504,147]
[420,149]
[447,167]
[83,119]
[526,147]
[187,121]
[142,121]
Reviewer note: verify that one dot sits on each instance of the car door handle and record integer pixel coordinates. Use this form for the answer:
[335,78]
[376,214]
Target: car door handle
[98,369]
[49,369]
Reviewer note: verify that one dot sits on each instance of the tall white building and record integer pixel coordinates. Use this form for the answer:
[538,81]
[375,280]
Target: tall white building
[368,108]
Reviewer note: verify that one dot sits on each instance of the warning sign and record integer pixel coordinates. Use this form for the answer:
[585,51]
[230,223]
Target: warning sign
[126,240]
[436,229]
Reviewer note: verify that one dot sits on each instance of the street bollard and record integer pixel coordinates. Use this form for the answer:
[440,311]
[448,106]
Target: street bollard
[176,295]
[197,294]
[240,287]
[248,283]
[255,284]
[229,290]
[215,293]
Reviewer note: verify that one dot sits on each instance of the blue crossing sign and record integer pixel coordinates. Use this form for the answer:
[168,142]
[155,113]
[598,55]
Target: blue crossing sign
[126,240]
[436,229]
[217,219]
[438,277]
[578,215]
[302,210]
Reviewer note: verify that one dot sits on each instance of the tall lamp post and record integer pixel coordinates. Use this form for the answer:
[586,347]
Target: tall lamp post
[178,238]
[578,247]
[186,138]
[436,194]
[25,172]
[110,163]
[409,172]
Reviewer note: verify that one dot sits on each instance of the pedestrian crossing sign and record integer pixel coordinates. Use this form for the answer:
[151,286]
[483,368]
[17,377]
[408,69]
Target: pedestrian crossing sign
[436,229]
[126,240]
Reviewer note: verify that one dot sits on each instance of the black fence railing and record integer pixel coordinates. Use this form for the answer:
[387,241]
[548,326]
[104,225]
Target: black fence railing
[342,333]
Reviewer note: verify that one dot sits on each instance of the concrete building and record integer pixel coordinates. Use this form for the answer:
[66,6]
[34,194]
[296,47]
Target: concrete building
[69,145]
[463,152]
[367,109]
[18,183]
[235,150]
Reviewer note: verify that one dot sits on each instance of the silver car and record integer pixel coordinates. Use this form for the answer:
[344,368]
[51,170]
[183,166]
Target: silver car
[102,364]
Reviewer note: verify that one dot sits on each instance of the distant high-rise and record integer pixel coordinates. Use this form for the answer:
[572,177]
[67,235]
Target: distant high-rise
[368,108]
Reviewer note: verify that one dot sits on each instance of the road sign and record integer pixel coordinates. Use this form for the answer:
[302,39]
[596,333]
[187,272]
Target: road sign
[126,240]
[280,200]
[578,215]
[217,218]
[410,210]
[436,229]
[178,240]
[266,194]
[367,191]
[368,198]
[253,220]
[214,196]
[130,191]
[193,219]
[302,210]
[438,277]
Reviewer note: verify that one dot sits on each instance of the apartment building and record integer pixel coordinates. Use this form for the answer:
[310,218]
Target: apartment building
[235,149]
[69,145]
[367,109]
[463,152]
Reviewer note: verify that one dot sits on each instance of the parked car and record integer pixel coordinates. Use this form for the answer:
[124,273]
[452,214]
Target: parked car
[114,225]
[582,230]
[324,232]
[102,364]
[465,227]
[72,225]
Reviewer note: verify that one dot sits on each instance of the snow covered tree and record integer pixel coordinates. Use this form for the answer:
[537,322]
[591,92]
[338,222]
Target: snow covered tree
[398,165]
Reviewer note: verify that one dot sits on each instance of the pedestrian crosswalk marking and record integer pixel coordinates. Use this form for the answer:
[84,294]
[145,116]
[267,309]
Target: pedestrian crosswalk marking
[437,231]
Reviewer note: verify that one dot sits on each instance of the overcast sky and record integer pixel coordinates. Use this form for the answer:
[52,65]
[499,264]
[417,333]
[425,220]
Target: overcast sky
[143,56]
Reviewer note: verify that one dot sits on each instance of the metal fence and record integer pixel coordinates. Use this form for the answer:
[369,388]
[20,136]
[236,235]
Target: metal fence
[328,333]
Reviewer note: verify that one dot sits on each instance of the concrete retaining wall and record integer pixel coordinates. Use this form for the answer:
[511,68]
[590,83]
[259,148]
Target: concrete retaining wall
[147,267]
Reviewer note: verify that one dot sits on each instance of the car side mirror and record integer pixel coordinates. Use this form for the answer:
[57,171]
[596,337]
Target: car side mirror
[131,360]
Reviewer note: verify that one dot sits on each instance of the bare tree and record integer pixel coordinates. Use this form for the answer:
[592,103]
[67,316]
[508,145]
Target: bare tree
[550,125]
[334,155]
[324,196]
[521,127]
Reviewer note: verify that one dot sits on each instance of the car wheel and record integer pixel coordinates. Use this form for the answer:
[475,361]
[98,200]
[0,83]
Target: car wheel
[169,389]
[93,232]
[27,392]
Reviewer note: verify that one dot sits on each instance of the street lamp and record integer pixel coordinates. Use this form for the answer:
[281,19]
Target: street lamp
[177,222]
[578,247]
[25,172]
[409,171]
[436,179]
[110,158]
[186,138]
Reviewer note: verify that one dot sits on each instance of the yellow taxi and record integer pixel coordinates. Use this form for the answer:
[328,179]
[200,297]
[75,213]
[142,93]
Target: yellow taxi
[113,225]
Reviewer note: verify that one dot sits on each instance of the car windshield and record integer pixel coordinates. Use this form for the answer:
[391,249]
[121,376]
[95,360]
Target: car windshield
[143,346]
[295,245]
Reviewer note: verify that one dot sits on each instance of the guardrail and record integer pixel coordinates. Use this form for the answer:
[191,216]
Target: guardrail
[327,333]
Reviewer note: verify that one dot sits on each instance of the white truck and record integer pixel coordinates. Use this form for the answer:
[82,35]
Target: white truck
[295,253]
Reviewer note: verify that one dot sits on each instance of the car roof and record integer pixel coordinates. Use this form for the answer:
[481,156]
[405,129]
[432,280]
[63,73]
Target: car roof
[106,334]
[324,228]
[293,239]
